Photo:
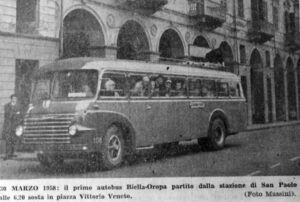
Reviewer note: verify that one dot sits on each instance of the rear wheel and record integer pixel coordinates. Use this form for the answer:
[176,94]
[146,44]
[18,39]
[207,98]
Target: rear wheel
[217,134]
[113,148]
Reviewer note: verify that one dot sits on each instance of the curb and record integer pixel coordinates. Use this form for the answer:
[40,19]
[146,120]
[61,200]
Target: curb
[271,125]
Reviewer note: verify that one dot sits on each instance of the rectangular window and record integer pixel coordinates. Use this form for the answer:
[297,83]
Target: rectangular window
[243,57]
[264,10]
[27,16]
[234,90]
[208,88]
[113,85]
[268,59]
[139,86]
[178,87]
[275,17]
[194,87]
[241,8]
[167,86]
[75,84]
[222,89]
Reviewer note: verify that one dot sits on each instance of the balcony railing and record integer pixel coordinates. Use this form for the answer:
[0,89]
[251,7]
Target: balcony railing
[208,13]
[260,31]
[149,5]
[292,40]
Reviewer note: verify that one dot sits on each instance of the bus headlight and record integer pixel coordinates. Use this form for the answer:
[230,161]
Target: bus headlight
[73,130]
[19,131]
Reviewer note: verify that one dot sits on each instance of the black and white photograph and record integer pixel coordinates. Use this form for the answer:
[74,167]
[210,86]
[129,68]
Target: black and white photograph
[171,91]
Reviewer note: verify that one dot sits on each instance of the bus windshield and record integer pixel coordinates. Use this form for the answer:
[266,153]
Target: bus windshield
[73,84]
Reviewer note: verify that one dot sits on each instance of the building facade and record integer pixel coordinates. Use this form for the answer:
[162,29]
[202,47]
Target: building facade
[29,37]
[256,39]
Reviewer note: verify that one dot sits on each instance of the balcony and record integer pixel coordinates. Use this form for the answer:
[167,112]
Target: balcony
[209,14]
[260,31]
[149,6]
[292,40]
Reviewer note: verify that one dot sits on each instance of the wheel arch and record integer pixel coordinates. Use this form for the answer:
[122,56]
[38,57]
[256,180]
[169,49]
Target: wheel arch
[128,133]
[102,120]
[219,113]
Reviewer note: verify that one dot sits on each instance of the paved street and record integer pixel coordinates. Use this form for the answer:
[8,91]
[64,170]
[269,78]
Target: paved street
[266,152]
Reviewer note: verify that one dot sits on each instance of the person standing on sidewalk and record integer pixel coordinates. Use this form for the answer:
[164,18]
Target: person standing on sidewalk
[12,118]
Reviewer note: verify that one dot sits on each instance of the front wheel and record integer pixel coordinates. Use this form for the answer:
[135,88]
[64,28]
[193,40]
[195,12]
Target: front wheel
[113,148]
[217,134]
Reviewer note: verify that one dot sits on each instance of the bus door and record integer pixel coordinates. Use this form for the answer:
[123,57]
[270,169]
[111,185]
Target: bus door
[166,109]
[113,97]
[139,109]
[200,93]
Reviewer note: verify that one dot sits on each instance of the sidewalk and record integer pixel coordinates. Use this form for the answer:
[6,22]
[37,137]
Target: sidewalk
[271,125]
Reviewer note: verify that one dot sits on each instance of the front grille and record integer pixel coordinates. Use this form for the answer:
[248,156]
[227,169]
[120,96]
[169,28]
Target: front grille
[47,129]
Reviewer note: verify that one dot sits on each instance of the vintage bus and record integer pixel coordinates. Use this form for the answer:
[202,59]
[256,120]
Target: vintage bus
[106,110]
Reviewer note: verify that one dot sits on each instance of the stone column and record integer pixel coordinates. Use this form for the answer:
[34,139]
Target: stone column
[297,93]
[249,95]
[149,56]
[273,97]
[109,52]
[286,95]
[266,107]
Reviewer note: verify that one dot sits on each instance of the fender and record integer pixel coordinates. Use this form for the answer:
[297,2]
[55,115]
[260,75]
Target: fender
[101,120]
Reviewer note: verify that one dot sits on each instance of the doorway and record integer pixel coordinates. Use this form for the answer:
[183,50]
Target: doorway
[23,82]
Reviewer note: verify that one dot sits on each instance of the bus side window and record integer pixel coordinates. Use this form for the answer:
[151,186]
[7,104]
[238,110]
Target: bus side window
[113,85]
[178,87]
[194,87]
[157,86]
[208,88]
[234,89]
[222,89]
[139,85]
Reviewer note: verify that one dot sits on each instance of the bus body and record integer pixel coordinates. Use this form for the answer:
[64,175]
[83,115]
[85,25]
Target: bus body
[111,108]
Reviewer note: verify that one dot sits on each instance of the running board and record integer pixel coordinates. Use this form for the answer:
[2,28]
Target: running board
[188,142]
[145,148]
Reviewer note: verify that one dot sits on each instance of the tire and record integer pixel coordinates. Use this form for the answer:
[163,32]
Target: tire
[113,148]
[217,134]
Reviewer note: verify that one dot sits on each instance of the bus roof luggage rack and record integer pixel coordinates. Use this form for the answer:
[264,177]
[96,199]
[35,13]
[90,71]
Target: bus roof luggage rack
[204,65]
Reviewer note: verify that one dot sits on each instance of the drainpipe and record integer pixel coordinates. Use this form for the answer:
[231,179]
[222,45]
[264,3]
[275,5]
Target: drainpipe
[235,37]
[61,31]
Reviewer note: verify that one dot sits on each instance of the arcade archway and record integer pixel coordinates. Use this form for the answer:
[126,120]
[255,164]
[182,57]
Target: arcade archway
[132,42]
[200,41]
[279,88]
[82,35]
[257,88]
[170,45]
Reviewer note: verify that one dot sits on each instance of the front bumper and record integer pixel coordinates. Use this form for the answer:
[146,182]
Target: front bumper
[82,143]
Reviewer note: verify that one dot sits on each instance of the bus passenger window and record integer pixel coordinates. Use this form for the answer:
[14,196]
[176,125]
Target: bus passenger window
[157,86]
[113,85]
[222,89]
[234,89]
[208,88]
[139,85]
[194,87]
[178,87]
